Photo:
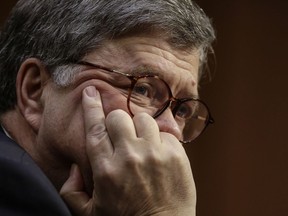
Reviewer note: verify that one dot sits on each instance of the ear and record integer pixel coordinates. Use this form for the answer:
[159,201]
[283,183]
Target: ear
[30,83]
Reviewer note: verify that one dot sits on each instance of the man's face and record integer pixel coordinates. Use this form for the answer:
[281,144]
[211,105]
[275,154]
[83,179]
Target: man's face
[61,137]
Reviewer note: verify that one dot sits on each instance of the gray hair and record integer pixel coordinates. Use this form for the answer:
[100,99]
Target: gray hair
[61,32]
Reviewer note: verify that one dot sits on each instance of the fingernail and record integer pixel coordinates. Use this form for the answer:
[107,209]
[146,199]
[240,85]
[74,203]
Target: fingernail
[91,91]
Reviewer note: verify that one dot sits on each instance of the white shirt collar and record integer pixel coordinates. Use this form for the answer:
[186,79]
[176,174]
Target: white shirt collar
[7,134]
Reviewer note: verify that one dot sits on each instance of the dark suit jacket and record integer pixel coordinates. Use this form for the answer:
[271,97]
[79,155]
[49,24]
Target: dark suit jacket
[24,188]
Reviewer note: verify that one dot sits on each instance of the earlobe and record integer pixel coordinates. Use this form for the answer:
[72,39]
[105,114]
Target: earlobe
[31,79]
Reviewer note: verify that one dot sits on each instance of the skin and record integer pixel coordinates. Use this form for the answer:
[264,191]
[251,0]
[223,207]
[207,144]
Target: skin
[121,165]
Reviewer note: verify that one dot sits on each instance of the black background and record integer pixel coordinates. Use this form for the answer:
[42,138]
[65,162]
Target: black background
[240,164]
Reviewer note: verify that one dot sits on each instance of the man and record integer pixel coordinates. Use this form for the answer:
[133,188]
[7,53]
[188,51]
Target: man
[97,98]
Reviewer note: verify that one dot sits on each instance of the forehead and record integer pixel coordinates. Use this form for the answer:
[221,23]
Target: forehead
[146,54]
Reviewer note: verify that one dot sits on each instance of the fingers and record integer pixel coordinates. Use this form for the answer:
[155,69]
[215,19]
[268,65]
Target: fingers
[72,191]
[127,133]
[98,143]
[146,126]
[120,127]
[120,182]
[121,131]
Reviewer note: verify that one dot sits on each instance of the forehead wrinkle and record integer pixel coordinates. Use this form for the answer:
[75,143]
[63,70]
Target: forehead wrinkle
[127,47]
[180,58]
[161,67]
[183,58]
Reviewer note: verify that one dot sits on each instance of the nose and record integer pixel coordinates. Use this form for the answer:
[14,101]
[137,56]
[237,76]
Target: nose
[166,123]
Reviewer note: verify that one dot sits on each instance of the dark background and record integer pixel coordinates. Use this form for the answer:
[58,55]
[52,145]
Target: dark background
[241,163]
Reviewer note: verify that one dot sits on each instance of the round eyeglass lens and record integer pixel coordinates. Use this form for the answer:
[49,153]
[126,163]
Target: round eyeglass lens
[149,94]
[152,95]
[195,123]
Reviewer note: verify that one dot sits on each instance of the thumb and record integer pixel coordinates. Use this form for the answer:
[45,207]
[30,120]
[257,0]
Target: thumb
[73,192]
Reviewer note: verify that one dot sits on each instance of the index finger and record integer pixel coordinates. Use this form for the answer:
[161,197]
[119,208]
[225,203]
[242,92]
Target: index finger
[98,144]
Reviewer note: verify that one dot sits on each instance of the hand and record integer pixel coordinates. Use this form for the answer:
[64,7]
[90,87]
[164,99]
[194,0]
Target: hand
[136,169]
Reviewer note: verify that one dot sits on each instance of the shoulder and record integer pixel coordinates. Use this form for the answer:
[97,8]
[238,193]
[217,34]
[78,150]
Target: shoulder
[24,188]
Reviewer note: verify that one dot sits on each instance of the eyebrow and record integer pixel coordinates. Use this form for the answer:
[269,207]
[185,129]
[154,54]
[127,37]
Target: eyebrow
[144,70]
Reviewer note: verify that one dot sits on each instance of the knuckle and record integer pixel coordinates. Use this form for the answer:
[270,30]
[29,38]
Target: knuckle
[96,130]
[155,158]
[177,156]
[93,105]
[106,173]
[133,160]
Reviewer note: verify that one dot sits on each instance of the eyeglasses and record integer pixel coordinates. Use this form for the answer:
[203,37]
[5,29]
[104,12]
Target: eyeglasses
[150,94]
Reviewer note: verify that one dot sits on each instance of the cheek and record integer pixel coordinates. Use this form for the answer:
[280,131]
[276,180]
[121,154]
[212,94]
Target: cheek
[113,100]
[62,129]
